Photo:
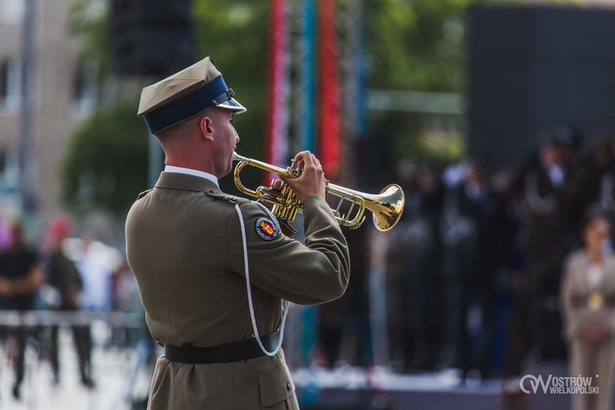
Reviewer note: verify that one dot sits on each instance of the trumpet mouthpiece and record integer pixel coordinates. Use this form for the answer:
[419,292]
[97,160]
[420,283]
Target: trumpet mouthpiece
[237,157]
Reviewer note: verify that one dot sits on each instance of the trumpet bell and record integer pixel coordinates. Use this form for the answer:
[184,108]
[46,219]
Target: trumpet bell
[386,207]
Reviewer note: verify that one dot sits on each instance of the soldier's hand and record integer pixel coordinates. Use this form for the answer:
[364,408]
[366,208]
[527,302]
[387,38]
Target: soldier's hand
[311,182]
[276,185]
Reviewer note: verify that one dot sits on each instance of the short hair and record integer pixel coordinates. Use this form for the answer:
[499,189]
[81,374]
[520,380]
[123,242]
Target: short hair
[174,134]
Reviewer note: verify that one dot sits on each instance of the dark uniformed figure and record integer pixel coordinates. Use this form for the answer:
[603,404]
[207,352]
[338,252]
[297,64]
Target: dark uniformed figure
[63,275]
[545,190]
[415,291]
[475,235]
[20,278]
[198,254]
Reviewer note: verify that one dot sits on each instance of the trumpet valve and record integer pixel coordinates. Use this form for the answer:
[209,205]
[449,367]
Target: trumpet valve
[293,168]
[288,205]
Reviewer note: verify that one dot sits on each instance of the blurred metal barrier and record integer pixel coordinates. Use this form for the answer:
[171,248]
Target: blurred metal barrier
[69,318]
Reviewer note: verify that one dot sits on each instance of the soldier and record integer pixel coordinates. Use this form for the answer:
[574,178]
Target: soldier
[474,230]
[544,190]
[212,269]
[588,306]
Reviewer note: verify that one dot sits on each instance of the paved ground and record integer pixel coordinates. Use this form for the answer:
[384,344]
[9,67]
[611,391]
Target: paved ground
[112,376]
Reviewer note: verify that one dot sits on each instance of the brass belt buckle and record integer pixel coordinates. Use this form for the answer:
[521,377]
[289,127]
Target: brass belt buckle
[595,301]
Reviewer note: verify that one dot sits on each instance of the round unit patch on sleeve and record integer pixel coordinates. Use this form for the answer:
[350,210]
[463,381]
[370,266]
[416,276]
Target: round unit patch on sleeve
[266,229]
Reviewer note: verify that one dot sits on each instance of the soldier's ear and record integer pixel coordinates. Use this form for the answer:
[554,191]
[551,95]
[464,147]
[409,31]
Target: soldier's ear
[207,128]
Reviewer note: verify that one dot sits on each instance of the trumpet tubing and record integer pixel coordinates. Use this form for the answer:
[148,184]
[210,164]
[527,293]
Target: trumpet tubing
[386,207]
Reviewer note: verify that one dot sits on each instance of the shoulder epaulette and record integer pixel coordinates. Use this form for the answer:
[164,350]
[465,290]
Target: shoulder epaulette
[142,194]
[230,198]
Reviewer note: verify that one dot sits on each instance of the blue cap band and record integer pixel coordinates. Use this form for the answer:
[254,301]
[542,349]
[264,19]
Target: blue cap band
[186,107]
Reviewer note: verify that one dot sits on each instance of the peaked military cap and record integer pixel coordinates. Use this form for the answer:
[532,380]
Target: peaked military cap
[185,94]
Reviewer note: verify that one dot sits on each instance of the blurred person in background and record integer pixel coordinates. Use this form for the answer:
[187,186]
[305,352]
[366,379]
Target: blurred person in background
[453,174]
[5,232]
[329,324]
[602,178]
[542,192]
[126,298]
[412,267]
[21,276]
[476,242]
[135,335]
[98,264]
[62,274]
[357,315]
[580,169]
[588,309]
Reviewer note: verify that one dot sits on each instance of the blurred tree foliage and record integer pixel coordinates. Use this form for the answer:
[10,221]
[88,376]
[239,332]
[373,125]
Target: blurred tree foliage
[106,161]
[417,45]
[88,21]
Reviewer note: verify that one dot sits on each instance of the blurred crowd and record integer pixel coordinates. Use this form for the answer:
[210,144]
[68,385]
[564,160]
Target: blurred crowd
[475,265]
[61,274]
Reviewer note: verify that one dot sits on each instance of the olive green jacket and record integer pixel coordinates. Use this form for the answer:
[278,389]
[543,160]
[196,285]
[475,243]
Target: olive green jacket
[184,244]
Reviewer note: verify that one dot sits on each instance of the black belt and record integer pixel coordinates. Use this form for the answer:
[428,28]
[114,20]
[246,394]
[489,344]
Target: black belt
[232,352]
[578,301]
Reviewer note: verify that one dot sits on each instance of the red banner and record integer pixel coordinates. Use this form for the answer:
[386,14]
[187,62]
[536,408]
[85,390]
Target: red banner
[330,144]
[277,124]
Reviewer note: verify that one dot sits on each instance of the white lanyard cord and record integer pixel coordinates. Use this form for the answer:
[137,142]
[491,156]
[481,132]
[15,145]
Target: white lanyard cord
[249,289]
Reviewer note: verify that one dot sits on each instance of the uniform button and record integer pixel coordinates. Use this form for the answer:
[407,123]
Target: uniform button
[288,386]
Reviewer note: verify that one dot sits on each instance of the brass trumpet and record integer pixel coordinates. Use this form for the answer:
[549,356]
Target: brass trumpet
[387,206]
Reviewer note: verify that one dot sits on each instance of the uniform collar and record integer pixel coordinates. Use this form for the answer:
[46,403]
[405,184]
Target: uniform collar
[187,182]
[190,171]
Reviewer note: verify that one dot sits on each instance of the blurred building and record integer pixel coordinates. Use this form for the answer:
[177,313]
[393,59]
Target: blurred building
[46,89]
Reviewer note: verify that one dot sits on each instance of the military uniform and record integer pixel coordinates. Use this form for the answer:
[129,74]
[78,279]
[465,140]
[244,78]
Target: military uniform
[185,247]
[213,269]
[586,304]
